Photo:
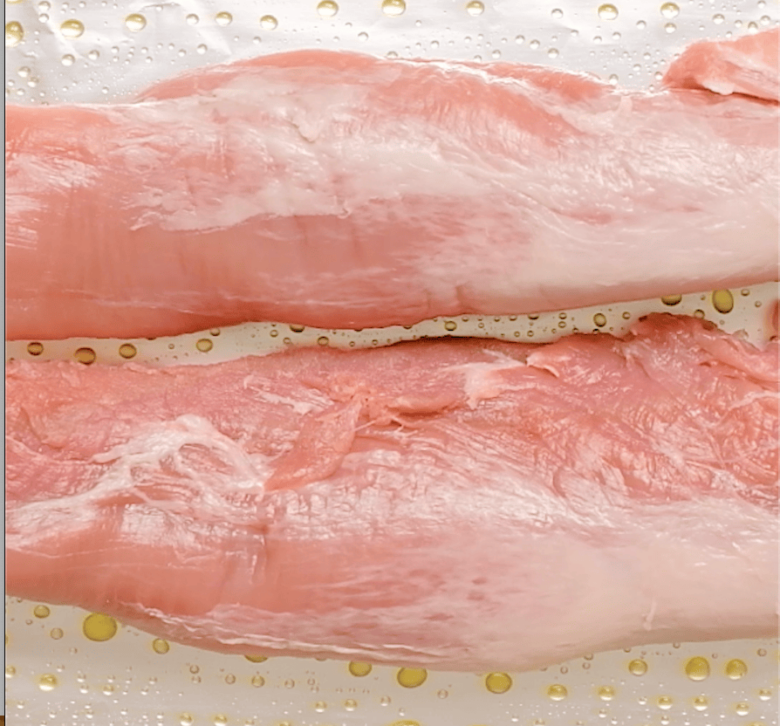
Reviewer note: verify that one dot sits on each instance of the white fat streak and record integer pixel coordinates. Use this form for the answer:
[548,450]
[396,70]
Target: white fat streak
[159,441]
[278,123]
[298,406]
[220,623]
[212,492]
[481,381]
[719,85]
[30,172]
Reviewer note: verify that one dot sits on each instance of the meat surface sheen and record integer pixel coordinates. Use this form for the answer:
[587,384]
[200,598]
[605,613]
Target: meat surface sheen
[460,504]
[344,191]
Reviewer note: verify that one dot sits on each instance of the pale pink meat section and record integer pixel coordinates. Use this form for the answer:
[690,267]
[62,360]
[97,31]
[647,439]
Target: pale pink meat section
[747,65]
[463,504]
[340,190]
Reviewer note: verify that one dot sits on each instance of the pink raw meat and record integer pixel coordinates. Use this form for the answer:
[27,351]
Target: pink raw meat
[462,504]
[340,190]
[747,65]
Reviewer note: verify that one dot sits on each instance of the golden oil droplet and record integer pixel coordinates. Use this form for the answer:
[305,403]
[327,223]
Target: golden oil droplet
[87,356]
[475,7]
[664,702]
[135,22]
[10,671]
[450,325]
[350,704]
[35,348]
[72,28]
[56,633]
[498,682]
[256,658]
[192,19]
[327,8]
[258,681]
[47,682]
[127,350]
[323,340]
[160,646]
[742,709]
[359,669]
[736,669]
[320,706]
[637,667]
[700,703]
[764,694]
[268,22]
[204,345]
[671,299]
[670,10]
[99,627]
[723,301]
[393,8]
[411,677]
[14,34]
[230,679]
[297,328]
[606,693]
[220,720]
[626,315]
[224,19]
[600,320]
[185,719]
[608,11]
[697,668]
[557,692]
[41,611]
[698,314]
